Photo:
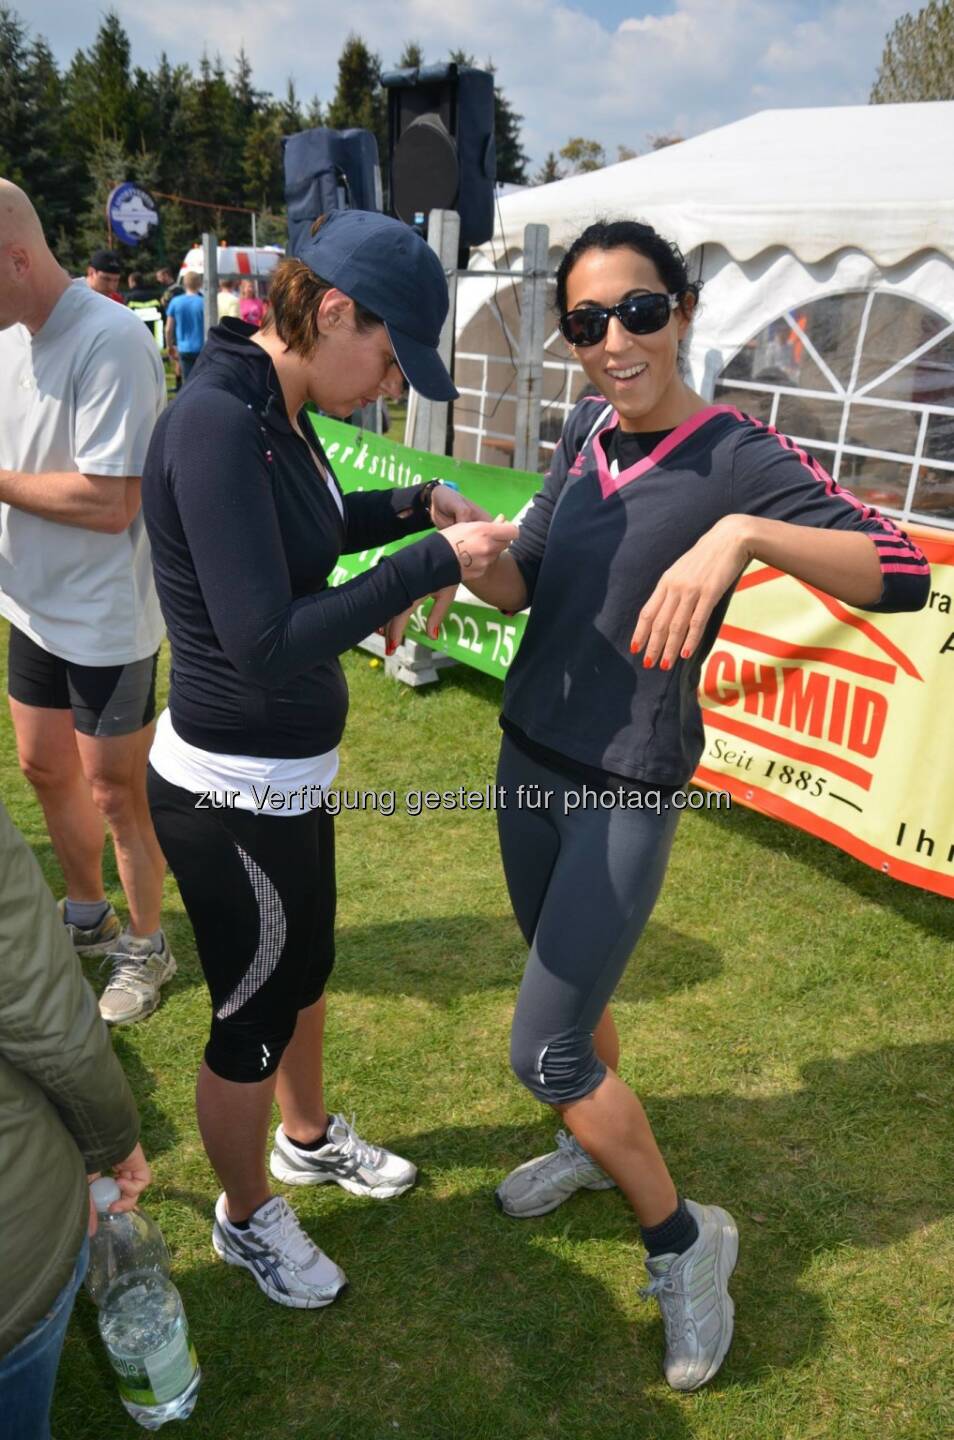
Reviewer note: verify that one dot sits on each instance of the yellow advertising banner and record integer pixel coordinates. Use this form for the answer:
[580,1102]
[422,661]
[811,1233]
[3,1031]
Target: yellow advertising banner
[840,721]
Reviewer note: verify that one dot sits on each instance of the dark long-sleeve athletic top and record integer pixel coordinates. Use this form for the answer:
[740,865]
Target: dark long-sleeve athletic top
[244,534]
[592,548]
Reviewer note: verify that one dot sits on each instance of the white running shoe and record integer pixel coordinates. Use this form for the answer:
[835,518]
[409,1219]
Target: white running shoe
[539,1186]
[286,1263]
[137,974]
[346,1159]
[693,1294]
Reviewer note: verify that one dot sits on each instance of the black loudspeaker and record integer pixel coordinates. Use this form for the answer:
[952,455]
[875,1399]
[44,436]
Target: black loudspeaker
[328,170]
[441,150]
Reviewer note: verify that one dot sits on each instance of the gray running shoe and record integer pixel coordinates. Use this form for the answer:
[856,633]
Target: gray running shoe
[286,1262]
[138,971]
[539,1186]
[693,1294]
[346,1159]
[99,939]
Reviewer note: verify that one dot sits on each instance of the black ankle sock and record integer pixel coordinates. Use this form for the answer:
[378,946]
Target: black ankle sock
[308,1144]
[239,1224]
[674,1235]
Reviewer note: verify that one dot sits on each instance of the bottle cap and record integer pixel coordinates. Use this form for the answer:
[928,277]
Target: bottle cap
[104,1191]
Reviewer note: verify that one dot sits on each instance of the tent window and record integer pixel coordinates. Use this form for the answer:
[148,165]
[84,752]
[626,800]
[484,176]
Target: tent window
[866,381]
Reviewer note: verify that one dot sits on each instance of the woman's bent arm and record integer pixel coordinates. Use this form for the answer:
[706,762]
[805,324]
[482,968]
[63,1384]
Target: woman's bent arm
[502,585]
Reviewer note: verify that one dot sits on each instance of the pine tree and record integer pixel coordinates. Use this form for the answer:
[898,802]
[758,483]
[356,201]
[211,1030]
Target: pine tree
[32,124]
[99,90]
[290,112]
[262,161]
[918,58]
[549,171]
[511,158]
[214,142]
[412,56]
[359,99]
[248,100]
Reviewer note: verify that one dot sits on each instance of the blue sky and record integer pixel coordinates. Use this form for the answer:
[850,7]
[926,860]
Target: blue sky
[615,71]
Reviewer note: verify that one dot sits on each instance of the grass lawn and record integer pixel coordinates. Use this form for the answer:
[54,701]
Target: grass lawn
[787,1019]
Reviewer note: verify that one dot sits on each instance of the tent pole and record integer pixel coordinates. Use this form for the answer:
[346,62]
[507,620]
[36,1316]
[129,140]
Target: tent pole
[526,448]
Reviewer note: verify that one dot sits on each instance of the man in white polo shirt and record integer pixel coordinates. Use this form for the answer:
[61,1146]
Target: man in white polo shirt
[81,386]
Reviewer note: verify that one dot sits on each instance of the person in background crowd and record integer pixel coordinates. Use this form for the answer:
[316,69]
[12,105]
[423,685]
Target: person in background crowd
[81,387]
[228,300]
[66,1111]
[251,306]
[185,324]
[655,504]
[169,287]
[247,522]
[137,292]
[103,274]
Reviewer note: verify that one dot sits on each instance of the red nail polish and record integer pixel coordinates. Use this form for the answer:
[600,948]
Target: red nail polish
[686,654]
[647,663]
[633,648]
[664,664]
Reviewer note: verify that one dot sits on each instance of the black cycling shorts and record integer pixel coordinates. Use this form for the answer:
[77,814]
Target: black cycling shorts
[260,893]
[106,700]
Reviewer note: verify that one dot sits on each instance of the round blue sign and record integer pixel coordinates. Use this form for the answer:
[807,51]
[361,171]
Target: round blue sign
[131,212]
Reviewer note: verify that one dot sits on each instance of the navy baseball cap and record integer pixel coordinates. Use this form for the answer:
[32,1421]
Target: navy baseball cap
[107,261]
[387,267]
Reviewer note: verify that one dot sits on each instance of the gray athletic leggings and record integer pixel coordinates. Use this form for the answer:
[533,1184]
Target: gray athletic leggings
[583,881]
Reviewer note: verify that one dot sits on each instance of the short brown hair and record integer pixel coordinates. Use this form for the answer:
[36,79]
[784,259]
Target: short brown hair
[294,294]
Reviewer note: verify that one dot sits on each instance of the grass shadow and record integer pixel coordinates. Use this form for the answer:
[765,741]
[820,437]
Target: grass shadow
[444,958]
[931,913]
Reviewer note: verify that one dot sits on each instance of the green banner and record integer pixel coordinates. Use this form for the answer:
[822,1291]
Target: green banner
[472,632]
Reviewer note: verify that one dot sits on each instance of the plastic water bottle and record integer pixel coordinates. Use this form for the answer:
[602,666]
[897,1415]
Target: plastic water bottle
[123,1243]
[141,1318]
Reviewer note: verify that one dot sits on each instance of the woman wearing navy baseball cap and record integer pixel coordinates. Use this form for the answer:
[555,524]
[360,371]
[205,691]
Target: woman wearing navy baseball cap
[247,523]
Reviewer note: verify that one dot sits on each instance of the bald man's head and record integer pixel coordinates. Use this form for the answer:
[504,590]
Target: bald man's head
[31,281]
[19,222]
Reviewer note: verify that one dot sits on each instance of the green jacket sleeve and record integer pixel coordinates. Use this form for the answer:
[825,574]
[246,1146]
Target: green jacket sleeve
[50,1027]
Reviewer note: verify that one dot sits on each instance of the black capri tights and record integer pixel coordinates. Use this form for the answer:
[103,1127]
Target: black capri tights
[582,882]
[260,893]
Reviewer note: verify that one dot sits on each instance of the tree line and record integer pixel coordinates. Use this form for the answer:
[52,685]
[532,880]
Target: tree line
[68,136]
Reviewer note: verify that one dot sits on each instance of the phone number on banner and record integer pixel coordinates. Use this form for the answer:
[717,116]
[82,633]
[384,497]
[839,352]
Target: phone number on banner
[475,634]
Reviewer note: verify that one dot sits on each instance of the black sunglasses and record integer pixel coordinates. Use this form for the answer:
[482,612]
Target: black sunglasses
[640,315]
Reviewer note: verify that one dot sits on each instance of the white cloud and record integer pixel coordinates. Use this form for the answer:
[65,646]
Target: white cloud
[682,67]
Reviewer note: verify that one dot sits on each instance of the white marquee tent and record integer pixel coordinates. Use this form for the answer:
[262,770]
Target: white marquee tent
[825,241]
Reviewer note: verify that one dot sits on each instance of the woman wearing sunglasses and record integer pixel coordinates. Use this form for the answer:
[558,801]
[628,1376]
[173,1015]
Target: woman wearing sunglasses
[654,505]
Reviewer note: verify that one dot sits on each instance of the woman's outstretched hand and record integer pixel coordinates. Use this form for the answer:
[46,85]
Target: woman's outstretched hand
[393,631]
[449,507]
[673,620]
[477,545]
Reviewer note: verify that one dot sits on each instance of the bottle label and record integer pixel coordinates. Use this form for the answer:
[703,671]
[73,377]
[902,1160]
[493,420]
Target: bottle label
[154,1379]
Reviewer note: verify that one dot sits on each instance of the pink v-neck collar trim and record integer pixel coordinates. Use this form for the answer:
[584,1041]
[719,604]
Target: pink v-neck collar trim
[610,484]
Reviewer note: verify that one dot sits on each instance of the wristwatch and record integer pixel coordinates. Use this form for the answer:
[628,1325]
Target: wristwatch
[425,493]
